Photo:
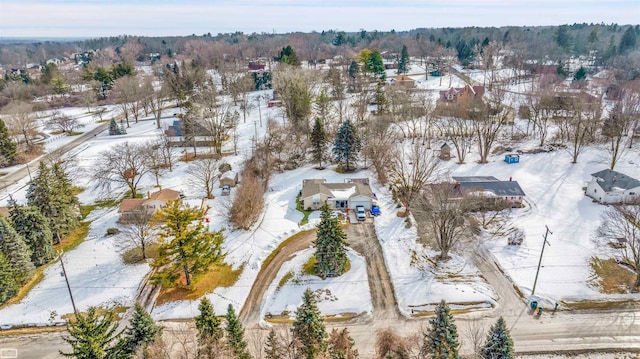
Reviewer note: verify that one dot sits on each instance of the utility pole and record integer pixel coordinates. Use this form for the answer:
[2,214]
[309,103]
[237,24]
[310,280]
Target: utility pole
[545,242]
[64,272]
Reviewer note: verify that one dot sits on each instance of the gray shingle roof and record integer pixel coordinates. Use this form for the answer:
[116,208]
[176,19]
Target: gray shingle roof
[499,188]
[607,179]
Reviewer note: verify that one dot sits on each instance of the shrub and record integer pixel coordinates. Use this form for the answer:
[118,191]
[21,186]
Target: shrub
[224,167]
[112,231]
[248,202]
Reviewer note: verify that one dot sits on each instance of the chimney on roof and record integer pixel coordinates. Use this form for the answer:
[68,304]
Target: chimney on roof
[510,178]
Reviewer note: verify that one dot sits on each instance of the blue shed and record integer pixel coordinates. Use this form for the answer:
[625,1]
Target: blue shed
[512,158]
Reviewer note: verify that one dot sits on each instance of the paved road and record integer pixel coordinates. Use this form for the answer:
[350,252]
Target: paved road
[362,238]
[22,172]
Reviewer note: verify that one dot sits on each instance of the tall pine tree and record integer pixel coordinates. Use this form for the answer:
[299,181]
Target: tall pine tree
[318,142]
[346,146]
[186,250]
[94,336]
[143,330]
[7,146]
[8,285]
[51,192]
[34,228]
[499,344]
[235,335]
[442,339]
[273,347]
[308,329]
[13,246]
[207,323]
[403,62]
[331,253]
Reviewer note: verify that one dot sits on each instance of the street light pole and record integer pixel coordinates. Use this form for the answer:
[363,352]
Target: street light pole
[545,242]
[29,171]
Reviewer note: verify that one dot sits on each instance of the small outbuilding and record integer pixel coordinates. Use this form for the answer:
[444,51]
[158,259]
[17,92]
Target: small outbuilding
[445,152]
[512,158]
[229,178]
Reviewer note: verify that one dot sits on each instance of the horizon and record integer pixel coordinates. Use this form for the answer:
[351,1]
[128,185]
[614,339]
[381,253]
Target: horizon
[92,18]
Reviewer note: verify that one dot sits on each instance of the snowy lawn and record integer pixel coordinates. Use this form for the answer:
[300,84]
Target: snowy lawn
[348,293]
[554,197]
[420,285]
[96,273]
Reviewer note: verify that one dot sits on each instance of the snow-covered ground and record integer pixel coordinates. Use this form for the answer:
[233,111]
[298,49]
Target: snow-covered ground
[418,284]
[348,293]
[554,198]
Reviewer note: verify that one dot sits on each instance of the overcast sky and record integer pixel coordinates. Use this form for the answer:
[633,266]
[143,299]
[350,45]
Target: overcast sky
[92,18]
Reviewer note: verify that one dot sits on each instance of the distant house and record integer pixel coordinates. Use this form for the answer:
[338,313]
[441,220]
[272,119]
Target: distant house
[455,94]
[491,187]
[255,66]
[180,136]
[315,192]
[402,81]
[608,186]
[131,207]
[229,178]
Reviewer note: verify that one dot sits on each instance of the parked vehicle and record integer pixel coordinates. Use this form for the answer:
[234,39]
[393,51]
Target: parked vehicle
[226,190]
[361,215]
[375,210]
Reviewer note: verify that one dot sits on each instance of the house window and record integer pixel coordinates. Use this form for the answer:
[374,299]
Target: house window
[632,193]
[595,190]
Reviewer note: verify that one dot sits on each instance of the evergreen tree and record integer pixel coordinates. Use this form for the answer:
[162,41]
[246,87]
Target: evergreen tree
[353,69]
[288,56]
[13,246]
[628,40]
[34,228]
[331,253]
[93,336]
[207,323]
[403,63]
[442,339]
[347,145]
[235,335]
[115,129]
[375,64]
[185,249]
[308,328]
[341,345]
[143,331]
[8,285]
[7,145]
[580,75]
[499,344]
[273,348]
[52,193]
[318,142]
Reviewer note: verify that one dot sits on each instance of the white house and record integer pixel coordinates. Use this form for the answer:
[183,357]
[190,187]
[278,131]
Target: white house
[608,186]
[315,192]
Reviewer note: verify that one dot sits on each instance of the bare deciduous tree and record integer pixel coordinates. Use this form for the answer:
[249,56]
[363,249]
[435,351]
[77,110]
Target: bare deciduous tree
[214,114]
[411,171]
[460,132]
[379,147]
[20,121]
[202,174]
[581,125]
[63,123]
[124,164]
[139,228]
[475,333]
[619,124]
[621,223]
[125,92]
[444,217]
[390,345]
